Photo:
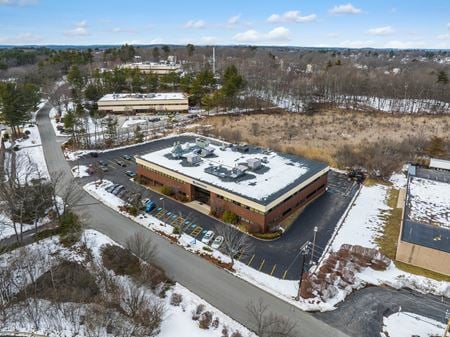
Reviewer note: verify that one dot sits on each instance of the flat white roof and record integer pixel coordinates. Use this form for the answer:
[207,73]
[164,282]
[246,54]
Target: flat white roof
[429,202]
[277,174]
[440,164]
[144,97]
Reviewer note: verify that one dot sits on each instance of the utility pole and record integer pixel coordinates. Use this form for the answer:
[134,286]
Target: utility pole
[313,245]
[303,252]
[447,329]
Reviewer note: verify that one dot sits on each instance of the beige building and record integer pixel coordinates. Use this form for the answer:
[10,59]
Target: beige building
[138,103]
[424,239]
[154,68]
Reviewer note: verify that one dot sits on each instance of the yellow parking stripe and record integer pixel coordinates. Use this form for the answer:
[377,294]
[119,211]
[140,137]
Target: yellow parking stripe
[284,275]
[251,260]
[262,264]
[273,269]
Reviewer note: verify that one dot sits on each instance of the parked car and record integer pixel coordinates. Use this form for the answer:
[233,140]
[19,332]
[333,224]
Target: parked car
[111,188]
[127,157]
[208,237]
[130,174]
[149,205]
[94,154]
[120,163]
[217,242]
[116,189]
[122,193]
[104,168]
[102,163]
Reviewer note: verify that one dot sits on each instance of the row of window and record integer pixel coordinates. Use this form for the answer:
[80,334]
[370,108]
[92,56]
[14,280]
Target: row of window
[161,174]
[240,205]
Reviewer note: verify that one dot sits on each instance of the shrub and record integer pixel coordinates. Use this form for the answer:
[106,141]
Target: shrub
[230,217]
[176,299]
[176,230]
[120,260]
[268,236]
[215,323]
[198,311]
[167,190]
[208,249]
[205,320]
[153,275]
[27,132]
[225,331]
[236,334]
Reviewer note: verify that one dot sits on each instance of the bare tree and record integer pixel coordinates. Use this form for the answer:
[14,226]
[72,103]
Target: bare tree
[235,243]
[66,192]
[268,324]
[142,247]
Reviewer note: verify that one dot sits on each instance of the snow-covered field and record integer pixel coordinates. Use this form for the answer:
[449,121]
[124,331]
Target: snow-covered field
[429,201]
[57,322]
[405,324]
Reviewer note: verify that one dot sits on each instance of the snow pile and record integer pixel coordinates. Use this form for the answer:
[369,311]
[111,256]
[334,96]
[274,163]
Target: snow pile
[405,324]
[80,171]
[429,202]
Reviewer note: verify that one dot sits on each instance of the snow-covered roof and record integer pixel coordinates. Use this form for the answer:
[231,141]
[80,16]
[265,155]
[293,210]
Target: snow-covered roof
[144,97]
[279,174]
[440,164]
[429,202]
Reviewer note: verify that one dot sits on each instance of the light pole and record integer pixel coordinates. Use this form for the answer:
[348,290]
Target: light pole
[303,252]
[162,200]
[313,244]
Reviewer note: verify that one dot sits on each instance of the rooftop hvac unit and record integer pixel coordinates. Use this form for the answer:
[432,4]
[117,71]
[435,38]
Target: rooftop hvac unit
[253,163]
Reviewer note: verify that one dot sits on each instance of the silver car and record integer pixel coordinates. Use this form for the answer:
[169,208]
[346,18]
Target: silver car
[208,237]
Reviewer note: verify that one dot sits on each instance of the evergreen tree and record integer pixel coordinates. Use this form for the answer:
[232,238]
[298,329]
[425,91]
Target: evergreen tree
[190,49]
[442,77]
[16,103]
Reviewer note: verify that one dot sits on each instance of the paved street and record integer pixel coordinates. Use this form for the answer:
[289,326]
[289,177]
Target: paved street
[280,257]
[216,286]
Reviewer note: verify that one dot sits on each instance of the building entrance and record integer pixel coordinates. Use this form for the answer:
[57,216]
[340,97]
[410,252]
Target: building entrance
[201,195]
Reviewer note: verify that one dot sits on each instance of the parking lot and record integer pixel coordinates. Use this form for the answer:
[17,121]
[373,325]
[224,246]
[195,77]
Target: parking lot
[281,257]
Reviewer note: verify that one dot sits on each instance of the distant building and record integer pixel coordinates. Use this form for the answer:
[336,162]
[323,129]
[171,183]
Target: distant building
[261,187]
[424,239]
[162,68]
[139,103]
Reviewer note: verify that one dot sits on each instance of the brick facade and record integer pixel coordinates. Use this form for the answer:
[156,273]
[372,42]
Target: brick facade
[256,221]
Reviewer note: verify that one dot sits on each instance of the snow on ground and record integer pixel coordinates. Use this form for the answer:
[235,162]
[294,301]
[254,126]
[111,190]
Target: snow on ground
[429,202]
[284,289]
[80,171]
[405,324]
[177,319]
[363,222]
[133,122]
[281,172]
[362,225]
[398,180]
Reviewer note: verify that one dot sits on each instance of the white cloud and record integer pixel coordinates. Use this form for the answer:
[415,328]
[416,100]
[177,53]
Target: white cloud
[405,44]
[233,20]
[250,35]
[291,16]
[279,34]
[276,35]
[208,40]
[123,30]
[199,24]
[385,30]
[345,9]
[357,43]
[443,37]
[80,29]
[25,38]
[18,2]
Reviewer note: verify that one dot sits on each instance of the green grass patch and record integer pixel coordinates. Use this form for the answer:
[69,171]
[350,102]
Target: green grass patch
[422,272]
[376,181]
[387,241]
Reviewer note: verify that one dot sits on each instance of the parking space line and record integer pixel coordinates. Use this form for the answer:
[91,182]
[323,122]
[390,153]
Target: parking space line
[114,166]
[284,275]
[262,264]
[238,257]
[251,260]
[273,269]
[196,232]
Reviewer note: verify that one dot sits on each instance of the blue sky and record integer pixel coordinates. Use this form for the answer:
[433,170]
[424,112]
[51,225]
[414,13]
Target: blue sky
[370,23]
